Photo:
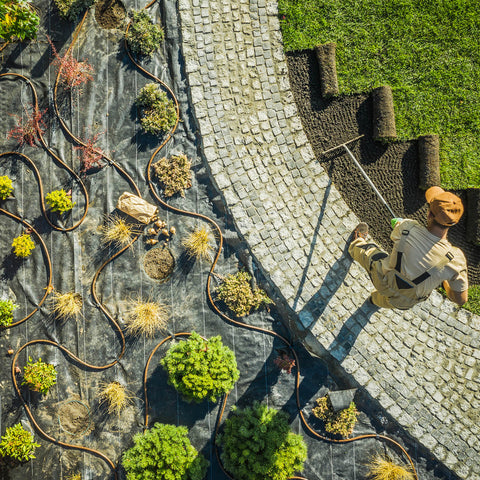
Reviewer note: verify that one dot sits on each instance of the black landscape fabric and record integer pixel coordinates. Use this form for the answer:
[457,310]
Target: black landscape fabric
[71,412]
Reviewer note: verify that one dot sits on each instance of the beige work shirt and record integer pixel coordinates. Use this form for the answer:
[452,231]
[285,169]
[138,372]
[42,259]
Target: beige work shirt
[422,251]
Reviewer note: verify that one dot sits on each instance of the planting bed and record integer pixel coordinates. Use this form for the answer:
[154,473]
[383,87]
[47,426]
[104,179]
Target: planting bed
[393,167]
[91,350]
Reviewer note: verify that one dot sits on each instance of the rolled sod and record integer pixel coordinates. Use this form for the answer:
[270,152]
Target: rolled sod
[473,215]
[328,69]
[383,114]
[429,161]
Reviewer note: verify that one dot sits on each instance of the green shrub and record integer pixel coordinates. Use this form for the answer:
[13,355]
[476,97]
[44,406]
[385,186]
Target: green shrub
[239,296]
[6,187]
[143,36]
[164,452]
[18,443]
[173,174]
[39,376]
[257,443]
[157,112]
[338,423]
[23,245]
[200,368]
[59,201]
[18,20]
[6,312]
[70,9]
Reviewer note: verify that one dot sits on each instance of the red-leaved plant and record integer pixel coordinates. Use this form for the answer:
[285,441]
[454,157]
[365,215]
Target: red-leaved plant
[73,74]
[28,127]
[90,155]
[284,362]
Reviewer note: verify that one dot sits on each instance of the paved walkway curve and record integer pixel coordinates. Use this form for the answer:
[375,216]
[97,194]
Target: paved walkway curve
[421,366]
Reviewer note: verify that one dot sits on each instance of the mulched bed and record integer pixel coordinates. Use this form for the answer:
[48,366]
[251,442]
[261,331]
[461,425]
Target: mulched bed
[392,167]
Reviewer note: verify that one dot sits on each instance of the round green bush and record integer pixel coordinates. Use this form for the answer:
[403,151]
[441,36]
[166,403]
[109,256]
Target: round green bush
[6,312]
[157,112]
[164,452]
[59,201]
[143,36]
[6,187]
[18,443]
[258,443]
[200,369]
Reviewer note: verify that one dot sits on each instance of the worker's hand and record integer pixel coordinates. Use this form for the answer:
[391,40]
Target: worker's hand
[394,221]
[458,297]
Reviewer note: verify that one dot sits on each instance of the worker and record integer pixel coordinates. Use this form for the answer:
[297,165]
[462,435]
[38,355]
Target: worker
[422,258]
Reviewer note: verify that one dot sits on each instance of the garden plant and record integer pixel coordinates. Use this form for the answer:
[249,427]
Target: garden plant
[258,443]
[237,294]
[39,376]
[23,245]
[382,468]
[117,232]
[173,174]
[144,37]
[338,423]
[67,305]
[18,443]
[200,368]
[59,201]
[6,312]
[18,20]
[164,451]
[28,127]
[115,396]
[146,318]
[157,112]
[198,244]
[70,9]
[90,155]
[6,187]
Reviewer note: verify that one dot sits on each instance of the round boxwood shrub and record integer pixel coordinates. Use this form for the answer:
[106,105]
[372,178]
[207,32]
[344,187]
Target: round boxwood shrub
[6,187]
[59,201]
[143,36]
[258,443]
[157,112]
[23,245]
[200,368]
[164,452]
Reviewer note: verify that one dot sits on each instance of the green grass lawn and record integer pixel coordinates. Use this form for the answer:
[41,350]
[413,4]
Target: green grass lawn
[427,51]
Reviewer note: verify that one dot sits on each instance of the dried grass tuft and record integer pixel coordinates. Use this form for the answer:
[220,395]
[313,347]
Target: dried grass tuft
[115,396]
[380,468]
[199,244]
[146,318]
[117,232]
[67,305]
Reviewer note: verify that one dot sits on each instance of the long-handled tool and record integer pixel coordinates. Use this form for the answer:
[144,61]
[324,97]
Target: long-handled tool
[362,171]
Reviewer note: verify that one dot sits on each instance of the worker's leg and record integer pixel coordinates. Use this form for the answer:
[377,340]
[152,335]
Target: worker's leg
[365,252]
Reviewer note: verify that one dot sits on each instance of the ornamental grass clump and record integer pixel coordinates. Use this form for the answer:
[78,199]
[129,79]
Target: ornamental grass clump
[337,423]
[143,36]
[115,396]
[238,295]
[59,201]
[67,305]
[117,232]
[381,468]
[158,113]
[200,368]
[198,244]
[146,318]
[23,245]
[6,187]
[257,443]
[18,443]
[173,174]
[164,452]
[6,312]
[39,376]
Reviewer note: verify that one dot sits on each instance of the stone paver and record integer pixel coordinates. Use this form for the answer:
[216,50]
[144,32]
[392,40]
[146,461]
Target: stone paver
[421,366]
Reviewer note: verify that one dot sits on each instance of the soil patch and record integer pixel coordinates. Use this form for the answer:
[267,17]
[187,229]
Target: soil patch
[74,417]
[110,13]
[392,167]
[159,263]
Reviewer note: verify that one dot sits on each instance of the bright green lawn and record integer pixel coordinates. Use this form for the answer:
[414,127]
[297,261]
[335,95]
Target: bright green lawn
[427,51]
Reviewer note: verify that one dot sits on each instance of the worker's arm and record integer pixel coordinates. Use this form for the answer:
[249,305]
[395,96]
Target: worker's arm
[458,297]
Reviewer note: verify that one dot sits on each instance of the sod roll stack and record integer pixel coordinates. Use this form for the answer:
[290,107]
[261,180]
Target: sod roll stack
[383,114]
[328,69]
[429,161]
[473,215]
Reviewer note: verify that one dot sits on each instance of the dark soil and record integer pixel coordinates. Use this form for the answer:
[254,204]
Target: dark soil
[110,13]
[393,167]
[159,263]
